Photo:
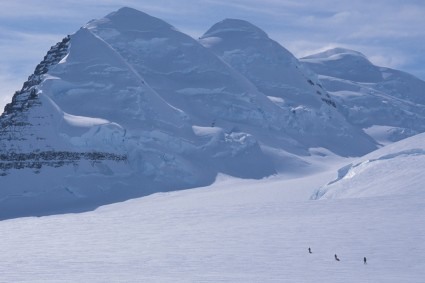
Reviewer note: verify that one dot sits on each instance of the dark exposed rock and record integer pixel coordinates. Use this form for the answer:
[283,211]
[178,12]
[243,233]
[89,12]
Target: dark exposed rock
[329,102]
[14,119]
[36,160]
[28,92]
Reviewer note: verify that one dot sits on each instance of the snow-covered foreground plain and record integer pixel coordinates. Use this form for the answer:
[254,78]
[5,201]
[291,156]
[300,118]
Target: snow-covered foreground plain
[232,231]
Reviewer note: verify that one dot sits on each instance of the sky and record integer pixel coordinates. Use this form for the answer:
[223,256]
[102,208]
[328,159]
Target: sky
[391,33]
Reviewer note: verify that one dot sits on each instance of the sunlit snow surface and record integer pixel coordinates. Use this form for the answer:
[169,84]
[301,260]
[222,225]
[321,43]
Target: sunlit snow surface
[396,169]
[389,103]
[235,231]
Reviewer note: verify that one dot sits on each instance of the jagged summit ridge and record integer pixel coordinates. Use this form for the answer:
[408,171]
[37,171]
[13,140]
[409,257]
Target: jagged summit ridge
[28,91]
[18,117]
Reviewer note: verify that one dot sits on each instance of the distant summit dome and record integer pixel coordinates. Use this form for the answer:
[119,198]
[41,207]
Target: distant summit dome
[232,26]
[273,69]
[335,51]
[345,64]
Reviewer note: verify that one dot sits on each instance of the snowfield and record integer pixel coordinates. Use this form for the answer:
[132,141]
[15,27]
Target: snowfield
[232,231]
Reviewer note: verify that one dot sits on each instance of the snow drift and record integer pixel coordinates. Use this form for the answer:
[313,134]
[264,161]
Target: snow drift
[395,169]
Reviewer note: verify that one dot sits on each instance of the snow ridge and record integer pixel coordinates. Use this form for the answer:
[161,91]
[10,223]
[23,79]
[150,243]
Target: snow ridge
[21,99]
[401,160]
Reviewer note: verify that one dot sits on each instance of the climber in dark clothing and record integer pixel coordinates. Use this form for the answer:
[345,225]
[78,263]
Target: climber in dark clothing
[364,260]
[309,250]
[336,258]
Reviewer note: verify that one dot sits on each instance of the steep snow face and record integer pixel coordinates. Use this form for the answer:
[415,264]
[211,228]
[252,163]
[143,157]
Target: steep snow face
[94,73]
[370,96]
[272,68]
[379,173]
[184,73]
[311,117]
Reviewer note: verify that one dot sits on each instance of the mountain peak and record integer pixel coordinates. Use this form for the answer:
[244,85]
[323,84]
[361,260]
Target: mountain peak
[335,52]
[127,11]
[231,26]
[345,64]
[127,18]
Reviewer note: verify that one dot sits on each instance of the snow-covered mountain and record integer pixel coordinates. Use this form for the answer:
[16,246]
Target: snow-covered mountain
[88,129]
[311,117]
[388,104]
[128,106]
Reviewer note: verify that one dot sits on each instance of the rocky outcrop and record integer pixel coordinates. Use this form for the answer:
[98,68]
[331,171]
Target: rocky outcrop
[27,96]
[36,160]
[17,127]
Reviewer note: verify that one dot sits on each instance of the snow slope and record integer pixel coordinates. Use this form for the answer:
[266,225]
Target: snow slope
[233,231]
[272,68]
[184,73]
[396,169]
[311,117]
[388,104]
